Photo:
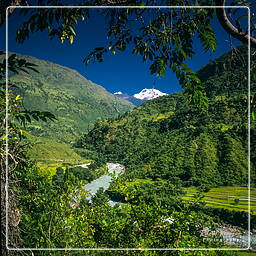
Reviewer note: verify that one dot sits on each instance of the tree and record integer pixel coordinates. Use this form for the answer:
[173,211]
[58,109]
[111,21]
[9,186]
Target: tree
[15,156]
[162,36]
[230,28]
[166,40]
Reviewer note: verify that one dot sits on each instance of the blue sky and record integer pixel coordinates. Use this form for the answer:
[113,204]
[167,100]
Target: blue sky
[121,72]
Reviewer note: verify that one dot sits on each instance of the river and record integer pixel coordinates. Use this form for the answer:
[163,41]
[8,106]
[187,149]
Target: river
[104,180]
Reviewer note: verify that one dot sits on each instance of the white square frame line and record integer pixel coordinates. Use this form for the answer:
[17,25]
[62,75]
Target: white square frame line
[130,249]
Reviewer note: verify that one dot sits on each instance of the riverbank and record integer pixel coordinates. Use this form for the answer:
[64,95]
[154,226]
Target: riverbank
[104,180]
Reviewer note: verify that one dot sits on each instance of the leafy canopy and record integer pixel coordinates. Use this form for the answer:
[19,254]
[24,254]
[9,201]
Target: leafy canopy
[162,36]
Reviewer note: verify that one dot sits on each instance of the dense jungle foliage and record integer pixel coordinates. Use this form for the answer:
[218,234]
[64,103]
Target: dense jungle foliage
[51,211]
[167,138]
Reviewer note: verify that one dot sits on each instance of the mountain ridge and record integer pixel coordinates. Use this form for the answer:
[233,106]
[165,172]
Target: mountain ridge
[168,138]
[76,101]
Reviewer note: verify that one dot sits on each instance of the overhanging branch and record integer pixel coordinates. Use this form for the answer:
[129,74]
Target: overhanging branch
[4,4]
[228,26]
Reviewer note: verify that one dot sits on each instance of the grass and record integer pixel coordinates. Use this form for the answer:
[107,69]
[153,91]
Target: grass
[137,182]
[50,154]
[51,151]
[246,253]
[76,102]
[231,198]
[48,169]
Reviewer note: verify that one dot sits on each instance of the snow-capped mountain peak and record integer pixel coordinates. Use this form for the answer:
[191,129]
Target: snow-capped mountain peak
[148,94]
[138,98]
[118,93]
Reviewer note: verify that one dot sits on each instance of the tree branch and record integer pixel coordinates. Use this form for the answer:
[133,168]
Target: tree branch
[228,26]
[6,4]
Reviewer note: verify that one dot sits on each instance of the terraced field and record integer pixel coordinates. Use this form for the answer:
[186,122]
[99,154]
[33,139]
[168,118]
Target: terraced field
[50,154]
[48,149]
[246,253]
[232,198]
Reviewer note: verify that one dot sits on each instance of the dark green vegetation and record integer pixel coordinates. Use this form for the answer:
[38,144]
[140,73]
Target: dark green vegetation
[49,216]
[55,213]
[75,101]
[167,138]
[52,210]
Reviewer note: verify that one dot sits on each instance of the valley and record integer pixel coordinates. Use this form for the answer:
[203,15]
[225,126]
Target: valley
[181,169]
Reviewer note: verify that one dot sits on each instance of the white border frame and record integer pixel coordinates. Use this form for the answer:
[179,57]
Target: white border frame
[132,249]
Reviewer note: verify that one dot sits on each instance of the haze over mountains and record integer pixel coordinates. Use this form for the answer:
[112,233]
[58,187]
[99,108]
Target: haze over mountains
[75,101]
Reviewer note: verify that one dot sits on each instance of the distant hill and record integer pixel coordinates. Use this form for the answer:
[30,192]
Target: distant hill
[74,100]
[168,138]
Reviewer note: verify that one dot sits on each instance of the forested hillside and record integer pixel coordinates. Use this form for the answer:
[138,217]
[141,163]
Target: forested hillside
[167,138]
[168,177]
[75,101]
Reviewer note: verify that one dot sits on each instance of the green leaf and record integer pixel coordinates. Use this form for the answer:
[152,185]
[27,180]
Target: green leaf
[71,39]
[253,115]
[72,30]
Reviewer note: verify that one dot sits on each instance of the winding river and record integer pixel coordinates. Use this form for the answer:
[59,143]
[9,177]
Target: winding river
[104,180]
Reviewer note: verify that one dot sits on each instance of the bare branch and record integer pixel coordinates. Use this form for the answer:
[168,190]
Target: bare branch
[228,26]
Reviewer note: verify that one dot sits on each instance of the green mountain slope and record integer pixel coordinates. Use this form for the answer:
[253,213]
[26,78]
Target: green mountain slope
[74,100]
[167,138]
